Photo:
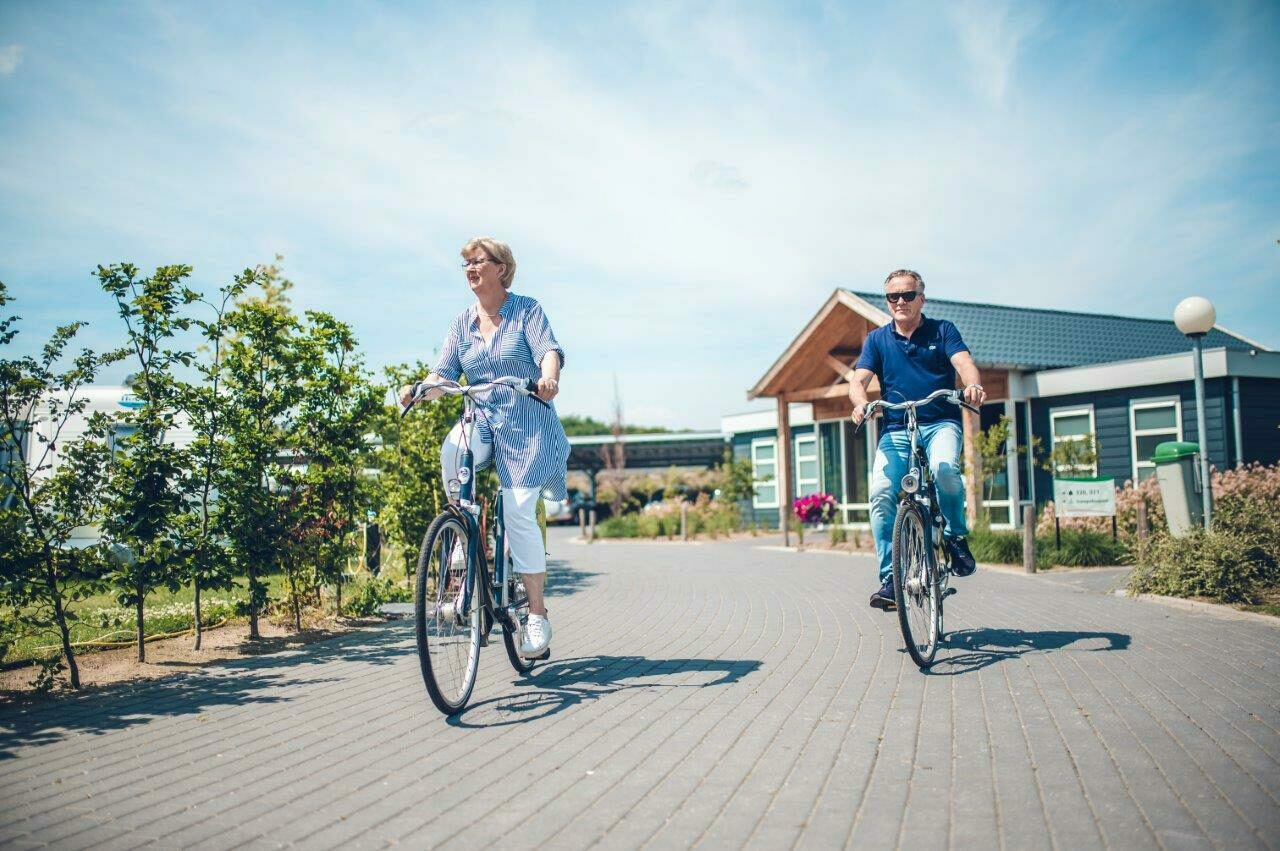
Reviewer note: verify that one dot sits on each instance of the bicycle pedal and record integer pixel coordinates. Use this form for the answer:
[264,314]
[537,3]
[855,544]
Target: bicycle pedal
[950,591]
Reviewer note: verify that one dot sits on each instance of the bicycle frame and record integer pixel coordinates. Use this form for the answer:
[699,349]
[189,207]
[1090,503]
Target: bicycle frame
[467,510]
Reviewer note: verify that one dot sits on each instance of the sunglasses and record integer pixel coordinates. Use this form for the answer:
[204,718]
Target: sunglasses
[908,297]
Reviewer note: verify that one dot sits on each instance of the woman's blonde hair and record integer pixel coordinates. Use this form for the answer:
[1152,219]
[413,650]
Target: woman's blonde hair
[497,251]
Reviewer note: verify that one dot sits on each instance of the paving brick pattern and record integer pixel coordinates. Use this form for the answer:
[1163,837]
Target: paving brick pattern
[716,695]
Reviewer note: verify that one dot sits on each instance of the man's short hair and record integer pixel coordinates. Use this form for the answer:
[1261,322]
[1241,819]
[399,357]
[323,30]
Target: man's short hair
[915,276]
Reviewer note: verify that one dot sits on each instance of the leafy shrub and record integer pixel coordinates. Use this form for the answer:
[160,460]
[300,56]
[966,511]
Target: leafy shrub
[369,596]
[1219,565]
[1085,548]
[1238,560]
[1080,548]
[996,547]
[705,516]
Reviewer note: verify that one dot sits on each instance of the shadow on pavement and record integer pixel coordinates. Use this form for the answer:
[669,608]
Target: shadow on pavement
[565,581]
[562,684]
[982,647]
[234,682]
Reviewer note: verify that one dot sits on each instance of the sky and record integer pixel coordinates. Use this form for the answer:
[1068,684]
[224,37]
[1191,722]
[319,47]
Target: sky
[683,184]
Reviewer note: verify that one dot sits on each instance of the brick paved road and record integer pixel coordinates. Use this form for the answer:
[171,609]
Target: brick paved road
[716,695]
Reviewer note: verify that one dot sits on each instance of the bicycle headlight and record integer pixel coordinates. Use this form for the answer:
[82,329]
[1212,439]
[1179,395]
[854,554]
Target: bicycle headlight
[911,482]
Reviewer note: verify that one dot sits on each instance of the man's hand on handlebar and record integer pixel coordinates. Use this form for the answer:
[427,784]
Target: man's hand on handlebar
[860,413]
[975,395]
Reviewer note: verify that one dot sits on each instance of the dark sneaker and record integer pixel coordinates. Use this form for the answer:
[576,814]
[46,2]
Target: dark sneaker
[884,599]
[962,561]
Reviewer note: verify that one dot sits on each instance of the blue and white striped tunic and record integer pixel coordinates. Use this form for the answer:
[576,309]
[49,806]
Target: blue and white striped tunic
[530,449]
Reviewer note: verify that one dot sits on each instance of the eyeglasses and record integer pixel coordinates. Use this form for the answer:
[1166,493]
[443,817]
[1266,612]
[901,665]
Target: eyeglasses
[909,296]
[472,263]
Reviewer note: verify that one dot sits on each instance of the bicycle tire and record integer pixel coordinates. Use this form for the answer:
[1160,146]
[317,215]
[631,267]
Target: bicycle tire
[512,638]
[511,590]
[914,587]
[448,677]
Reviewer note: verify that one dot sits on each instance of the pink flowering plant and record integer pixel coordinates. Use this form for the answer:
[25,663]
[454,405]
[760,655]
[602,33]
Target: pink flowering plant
[815,508]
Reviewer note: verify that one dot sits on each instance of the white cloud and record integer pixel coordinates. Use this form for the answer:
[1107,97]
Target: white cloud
[10,58]
[991,34]
[680,211]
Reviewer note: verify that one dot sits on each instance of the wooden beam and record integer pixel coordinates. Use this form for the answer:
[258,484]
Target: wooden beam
[973,469]
[811,394]
[1011,463]
[841,368]
[830,391]
[782,463]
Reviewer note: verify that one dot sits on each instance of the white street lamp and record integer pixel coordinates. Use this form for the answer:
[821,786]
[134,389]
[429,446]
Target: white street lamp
[1194,317]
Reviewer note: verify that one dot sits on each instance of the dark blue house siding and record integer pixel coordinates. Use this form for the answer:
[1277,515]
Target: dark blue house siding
[766,518]
[1111,421]
[1260,419]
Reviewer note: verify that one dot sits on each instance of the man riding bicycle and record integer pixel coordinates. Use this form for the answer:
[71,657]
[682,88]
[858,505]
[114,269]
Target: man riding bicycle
[912,357]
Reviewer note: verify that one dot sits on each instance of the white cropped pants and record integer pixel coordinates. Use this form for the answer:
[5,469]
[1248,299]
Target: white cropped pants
[519,505]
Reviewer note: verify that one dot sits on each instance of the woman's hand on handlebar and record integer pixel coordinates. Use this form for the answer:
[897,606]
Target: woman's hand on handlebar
[406,392]
[548,388]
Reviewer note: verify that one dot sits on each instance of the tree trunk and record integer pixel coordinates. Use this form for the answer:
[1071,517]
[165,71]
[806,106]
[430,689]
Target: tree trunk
[196,584]
[64,631]
[338,612]
[253,604]
[293,594]
[142,645]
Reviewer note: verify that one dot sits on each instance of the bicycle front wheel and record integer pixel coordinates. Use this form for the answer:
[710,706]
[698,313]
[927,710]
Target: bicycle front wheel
[448,630]
[916,592]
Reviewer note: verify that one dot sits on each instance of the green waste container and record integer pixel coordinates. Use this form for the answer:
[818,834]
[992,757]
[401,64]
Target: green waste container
[1178,471]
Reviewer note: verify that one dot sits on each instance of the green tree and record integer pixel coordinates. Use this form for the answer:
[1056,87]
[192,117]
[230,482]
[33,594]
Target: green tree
[261,380]
[335,413]
[409,460]
[147,490]
[49,486]
[734,478]
[208,560]
[1073,457]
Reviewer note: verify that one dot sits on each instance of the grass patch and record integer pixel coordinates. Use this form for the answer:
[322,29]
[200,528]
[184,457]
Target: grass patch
[99,617]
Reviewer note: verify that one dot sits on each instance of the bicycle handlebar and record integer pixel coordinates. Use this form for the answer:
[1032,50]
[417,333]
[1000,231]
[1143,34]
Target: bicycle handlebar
[952,396]
[523,386]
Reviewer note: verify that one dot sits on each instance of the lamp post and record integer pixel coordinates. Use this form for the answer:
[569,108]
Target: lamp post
[1194,317]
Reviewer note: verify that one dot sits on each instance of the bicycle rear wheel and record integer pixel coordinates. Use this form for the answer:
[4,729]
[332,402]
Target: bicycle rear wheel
[448,637]
[517,605]
[914,588]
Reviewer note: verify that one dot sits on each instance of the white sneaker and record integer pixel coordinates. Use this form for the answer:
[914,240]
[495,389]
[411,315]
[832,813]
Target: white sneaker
[537,637]
[459,557]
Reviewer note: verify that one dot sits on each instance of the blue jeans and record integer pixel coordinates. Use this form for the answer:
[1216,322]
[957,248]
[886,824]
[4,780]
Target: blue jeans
[941,443]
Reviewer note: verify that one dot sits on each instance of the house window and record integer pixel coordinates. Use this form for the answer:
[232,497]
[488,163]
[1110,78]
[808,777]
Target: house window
[1073,424]
[764,472]
[807,480]
[1152,422]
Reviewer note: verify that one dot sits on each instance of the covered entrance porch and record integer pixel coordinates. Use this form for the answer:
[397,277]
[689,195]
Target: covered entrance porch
[826,455]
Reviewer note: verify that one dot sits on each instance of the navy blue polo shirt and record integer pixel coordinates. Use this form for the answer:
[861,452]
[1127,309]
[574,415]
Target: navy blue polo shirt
[911,369]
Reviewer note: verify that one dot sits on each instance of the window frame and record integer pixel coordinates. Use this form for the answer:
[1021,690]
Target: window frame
[1074,411]
[756,481]
[816,458]
[1154,402]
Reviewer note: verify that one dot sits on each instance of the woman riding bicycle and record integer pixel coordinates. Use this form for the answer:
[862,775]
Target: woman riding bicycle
[507,334]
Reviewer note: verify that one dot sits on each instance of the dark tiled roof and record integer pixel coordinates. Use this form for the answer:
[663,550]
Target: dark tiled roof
[1032,338]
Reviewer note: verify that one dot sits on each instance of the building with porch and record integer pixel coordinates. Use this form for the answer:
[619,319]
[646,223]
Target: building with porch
[1057,375]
